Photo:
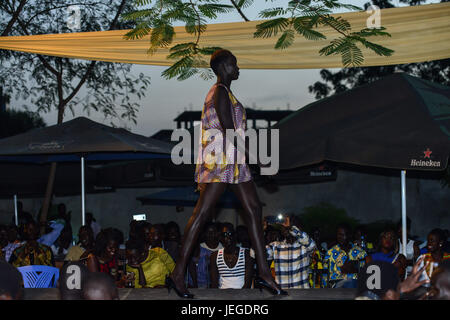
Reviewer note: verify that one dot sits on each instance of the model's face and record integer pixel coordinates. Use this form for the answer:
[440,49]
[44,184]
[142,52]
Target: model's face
[231,68]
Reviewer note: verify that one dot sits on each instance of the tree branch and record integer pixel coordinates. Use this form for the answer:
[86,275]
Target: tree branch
[14,18]
[239,10]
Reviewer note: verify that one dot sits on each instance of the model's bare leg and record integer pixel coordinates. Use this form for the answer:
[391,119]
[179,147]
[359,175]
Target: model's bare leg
[202,212]
[247,195]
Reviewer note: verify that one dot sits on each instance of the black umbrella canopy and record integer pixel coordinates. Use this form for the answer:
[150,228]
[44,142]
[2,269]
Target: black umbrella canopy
[399,122]
[80,136]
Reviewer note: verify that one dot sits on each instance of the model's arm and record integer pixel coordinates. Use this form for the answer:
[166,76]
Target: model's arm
[222,105]
[214,272]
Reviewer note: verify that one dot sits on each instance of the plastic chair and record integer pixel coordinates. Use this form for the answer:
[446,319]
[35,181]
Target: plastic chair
[37,276]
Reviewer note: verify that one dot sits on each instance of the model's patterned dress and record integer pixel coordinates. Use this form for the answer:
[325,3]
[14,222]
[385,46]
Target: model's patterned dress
[214,164]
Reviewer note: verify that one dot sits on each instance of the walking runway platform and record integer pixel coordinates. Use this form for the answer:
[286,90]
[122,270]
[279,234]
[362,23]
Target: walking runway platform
[209,294]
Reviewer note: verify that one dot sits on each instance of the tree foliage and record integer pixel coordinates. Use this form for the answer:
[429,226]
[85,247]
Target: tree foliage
[54,83]
[13,122]
[296,18]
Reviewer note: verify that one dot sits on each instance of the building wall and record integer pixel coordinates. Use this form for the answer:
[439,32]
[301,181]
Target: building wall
[366,197]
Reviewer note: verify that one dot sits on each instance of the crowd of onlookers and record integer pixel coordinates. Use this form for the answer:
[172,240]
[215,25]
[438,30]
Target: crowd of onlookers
[103,260]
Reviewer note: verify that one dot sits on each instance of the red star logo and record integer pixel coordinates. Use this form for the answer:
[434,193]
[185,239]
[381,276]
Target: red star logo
[427,153]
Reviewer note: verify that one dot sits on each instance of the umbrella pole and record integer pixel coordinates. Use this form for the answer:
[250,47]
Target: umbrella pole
[403,175]
[15,210]
[83,209]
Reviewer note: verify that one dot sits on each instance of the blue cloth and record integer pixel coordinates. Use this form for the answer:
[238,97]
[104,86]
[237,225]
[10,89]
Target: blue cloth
[50,238]
[386,257]
[423,250]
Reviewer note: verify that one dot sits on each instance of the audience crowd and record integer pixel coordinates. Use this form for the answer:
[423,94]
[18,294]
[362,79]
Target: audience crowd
[104,260]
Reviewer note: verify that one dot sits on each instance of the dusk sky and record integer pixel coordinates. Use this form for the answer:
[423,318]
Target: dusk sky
[265,89]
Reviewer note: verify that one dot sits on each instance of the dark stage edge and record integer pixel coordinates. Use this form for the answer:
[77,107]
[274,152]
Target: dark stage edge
[210,294]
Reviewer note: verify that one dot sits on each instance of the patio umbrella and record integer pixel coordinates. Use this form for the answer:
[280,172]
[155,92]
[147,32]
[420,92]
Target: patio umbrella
[400,122]
[78,140]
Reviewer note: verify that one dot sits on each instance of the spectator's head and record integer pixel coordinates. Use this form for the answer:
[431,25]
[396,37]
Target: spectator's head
[400,226]
[243,237]
[71,278]
[157,235]
[136,251]
[211,234]
[296,221]
[435,240]
[378,280]
[3,235]
[172,231]
[315,233]
[89,218]
[343,234]
[10,282]
[13,233]
[272,234]
[66,237]
[440,282]
[107,243]
[359,233]
[144,229]
[86,237]
[387,240]
[31,231]
[99,286]
[227,235]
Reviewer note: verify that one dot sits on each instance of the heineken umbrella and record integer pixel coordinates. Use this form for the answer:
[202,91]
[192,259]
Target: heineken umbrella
[400,122]
[78,140]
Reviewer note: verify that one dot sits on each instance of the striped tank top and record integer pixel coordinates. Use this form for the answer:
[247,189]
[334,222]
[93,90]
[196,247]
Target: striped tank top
[231,278]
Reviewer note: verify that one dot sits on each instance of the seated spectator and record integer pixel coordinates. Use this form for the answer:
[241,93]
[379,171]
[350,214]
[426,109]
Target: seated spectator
[62,245]
[84,247]
[232,266]
[13,242]
[11,282]
[380,281]
[343,260]
[90,221]
[32,252]
[3,240]
[291,255]
[23,217]
[99,286]
[172,242]
[104,256]
[144,233]
[150,267]
[412,247]
[360,239]
[435,255]
[199,275]
[70,281]
[157,236]
[386,252]
[440,283]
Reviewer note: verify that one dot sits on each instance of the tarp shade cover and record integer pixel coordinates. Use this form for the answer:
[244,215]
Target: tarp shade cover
[419,33]
[77,137]
[398,122]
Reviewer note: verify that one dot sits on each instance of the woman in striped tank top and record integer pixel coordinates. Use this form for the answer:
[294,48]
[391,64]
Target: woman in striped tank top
[232,266]
[215,172]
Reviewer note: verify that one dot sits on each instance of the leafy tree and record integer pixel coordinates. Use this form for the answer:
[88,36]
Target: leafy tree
[345,79]
[54,82]
[13,122]
[299,17]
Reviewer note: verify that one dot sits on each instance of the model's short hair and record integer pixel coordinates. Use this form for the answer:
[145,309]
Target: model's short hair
[219,57]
